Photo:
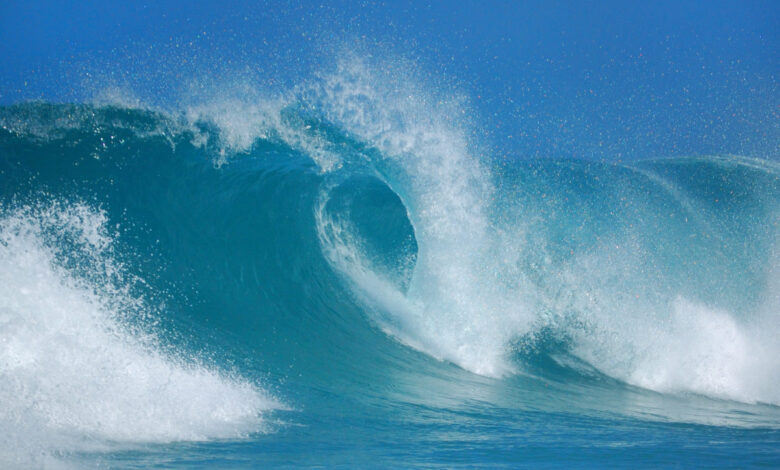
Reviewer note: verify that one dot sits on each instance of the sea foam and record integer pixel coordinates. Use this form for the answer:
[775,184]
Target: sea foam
[75,374]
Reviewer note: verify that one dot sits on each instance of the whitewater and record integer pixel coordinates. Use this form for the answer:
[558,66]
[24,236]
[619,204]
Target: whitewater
[342,273]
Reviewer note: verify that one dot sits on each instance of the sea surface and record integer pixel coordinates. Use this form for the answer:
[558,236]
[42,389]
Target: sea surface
[358,268]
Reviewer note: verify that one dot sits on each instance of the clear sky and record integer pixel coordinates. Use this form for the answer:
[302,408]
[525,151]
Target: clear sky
[594,79]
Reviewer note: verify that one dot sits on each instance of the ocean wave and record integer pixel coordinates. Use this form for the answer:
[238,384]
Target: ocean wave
[303,225]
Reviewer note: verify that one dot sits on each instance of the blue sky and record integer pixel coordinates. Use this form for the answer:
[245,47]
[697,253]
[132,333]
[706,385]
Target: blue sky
[594,79]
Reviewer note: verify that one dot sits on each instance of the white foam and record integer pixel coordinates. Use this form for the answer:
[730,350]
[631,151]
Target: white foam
[452,309]
[705,350]
[244,119]
[74,375]
[632,332]
[697,349]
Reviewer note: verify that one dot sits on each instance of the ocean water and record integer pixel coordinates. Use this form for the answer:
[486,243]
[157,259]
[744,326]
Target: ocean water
[348,269]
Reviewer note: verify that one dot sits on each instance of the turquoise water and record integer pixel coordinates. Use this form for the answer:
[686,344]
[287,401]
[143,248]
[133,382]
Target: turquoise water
[389,234]
[340,277]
